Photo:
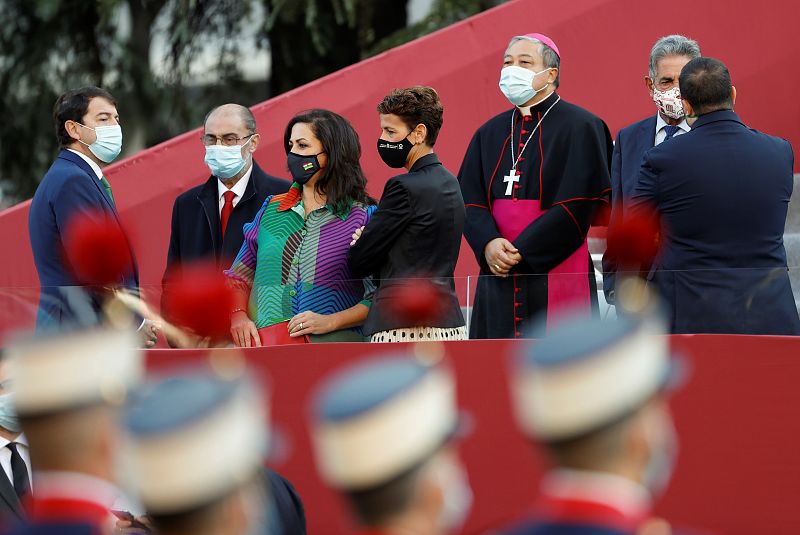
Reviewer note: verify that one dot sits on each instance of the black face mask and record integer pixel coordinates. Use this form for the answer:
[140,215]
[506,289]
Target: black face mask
[394,153]
[303,168]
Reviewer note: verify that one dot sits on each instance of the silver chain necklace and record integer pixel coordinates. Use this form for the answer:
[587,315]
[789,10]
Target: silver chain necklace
[516,160]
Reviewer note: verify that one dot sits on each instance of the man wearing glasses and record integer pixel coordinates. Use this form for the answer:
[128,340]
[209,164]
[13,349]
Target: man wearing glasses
[667,57]
[207,220]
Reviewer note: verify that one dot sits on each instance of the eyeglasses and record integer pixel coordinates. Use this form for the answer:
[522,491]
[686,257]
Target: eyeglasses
[227,140]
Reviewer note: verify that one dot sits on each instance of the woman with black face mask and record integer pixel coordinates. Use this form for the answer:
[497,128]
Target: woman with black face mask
[416,232]
[291,273]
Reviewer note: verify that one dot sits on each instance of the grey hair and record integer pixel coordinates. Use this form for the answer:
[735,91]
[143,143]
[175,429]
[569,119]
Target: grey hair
[247,117]
[549,56]
[672,45]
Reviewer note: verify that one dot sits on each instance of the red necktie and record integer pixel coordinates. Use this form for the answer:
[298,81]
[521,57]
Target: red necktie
[227,208]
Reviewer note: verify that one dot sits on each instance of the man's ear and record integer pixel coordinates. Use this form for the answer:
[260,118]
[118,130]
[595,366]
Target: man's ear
[733,95]
[72,129]
[254,141]
[552,75]
[687,108]
[648,83]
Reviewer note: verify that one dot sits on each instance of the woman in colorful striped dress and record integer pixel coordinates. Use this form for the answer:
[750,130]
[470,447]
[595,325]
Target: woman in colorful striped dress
[291,274]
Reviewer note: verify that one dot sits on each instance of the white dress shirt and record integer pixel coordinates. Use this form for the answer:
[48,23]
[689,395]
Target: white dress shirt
[92,164]
[237,189]
[661,134]
[24,452]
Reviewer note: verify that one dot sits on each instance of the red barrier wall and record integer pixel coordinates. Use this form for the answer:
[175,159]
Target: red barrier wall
[605,46]
[738,471]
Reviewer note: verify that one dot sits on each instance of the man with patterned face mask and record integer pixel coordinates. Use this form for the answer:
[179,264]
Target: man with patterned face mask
[667,57]
[532,179]
[207,220]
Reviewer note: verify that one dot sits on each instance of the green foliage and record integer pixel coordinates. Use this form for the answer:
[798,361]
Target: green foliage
[49,46]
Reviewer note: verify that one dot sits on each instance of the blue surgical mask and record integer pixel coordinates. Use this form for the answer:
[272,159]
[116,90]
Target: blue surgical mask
[108,144]
[516,83]
[225,161]
[8,416]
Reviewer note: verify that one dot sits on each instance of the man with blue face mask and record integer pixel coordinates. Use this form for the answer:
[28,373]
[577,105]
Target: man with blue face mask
[207,220]
[89,133]
[532,179]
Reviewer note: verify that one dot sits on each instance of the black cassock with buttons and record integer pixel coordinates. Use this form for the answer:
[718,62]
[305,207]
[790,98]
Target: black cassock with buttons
[544,207]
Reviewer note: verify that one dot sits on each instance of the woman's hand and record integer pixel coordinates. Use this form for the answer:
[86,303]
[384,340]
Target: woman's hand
[310,323]
[243,330]
[356,235]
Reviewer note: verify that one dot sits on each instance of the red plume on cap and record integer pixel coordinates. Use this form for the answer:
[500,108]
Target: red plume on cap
[634,241]
[415,302]
[97,249]
[199,299]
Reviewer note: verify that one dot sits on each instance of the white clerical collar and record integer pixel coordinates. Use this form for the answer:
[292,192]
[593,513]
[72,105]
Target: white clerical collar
[526,110]
[92,164]
[661,123]
[237,188]
[624,495]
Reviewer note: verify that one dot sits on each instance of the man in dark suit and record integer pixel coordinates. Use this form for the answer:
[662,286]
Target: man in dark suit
[90,136]
[722,192]
[15,459]
[667,57]
[207,220]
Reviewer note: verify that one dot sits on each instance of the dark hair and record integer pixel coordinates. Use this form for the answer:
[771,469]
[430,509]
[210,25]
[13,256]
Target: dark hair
[706,84]
[72,106]
[342,180]
[375,505]
[416,105]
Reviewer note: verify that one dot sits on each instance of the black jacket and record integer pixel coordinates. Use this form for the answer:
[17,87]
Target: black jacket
[285,512]
[196,233]
[416,232]
[11,511]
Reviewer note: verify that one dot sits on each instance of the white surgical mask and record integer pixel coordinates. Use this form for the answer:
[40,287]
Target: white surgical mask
[669,102]
[225,161]
[108,144]
[516,83]
[8,416]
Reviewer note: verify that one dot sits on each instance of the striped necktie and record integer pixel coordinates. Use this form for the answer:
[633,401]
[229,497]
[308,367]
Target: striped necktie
[106,185]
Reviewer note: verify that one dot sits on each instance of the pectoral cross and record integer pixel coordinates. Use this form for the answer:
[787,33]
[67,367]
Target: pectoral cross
[510,179]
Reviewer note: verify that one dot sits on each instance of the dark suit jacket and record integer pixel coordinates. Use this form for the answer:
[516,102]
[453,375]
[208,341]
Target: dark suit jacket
[286,514]
[415,232]
[69,188]
[722,192]
[11,511]
[196,233]
[629,148]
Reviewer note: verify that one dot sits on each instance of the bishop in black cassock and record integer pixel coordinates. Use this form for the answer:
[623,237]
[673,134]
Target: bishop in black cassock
[533,175]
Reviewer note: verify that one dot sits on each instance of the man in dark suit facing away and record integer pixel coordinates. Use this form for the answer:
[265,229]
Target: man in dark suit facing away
[722,192]
[207,220]
[667,57]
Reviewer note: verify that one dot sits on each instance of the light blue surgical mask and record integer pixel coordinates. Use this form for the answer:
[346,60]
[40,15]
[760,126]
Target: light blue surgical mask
[225,161]
[516,83]
[8,416]
[108,144]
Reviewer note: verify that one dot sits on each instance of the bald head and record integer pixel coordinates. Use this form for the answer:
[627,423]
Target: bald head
[233,112]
